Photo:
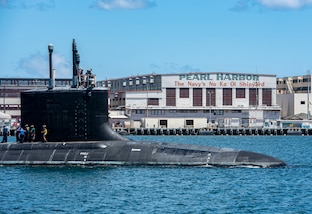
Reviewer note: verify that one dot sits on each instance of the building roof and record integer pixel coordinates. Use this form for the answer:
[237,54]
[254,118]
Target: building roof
[4,116]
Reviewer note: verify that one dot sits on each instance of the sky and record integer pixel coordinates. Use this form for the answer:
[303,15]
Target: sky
[122,38]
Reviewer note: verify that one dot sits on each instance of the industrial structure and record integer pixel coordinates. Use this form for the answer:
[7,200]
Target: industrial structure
[294,96]
[193,100]
[186,100]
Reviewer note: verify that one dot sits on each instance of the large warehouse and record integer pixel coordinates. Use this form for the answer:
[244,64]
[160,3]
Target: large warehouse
[193,100]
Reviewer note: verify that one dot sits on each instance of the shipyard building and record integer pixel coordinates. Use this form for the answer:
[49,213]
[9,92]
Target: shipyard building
[294,97]
[193,100]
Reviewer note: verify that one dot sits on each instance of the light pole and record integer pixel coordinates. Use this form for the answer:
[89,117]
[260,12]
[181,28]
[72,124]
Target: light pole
[210,94]
[51,84]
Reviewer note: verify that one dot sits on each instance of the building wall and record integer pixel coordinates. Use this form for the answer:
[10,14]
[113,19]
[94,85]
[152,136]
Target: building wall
[292,95]
[300,103]
[294,104]
[174,123]
[214,96]
[220,81]
[146,95]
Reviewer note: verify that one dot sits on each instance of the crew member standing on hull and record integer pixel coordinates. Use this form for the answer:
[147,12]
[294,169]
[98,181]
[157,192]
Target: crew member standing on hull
[5,133]
[27,133]
[44,133]
[22,135]
[32,133]
[17,133]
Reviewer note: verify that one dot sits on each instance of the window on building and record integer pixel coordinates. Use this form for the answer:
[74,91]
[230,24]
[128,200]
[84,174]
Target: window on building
[236,111]
[170,96]
[140,111]
[302,102]
[274,112]
[240,93]
[163,123]
[197,97]
[189,122]
[253,96]
[151,79]
[153,101]
[184,93]
[157,112]
[210,97]
[227,96]
[267,96]
[218,112]
[144,81]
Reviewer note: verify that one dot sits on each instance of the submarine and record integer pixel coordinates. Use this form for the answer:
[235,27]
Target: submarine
[79,133]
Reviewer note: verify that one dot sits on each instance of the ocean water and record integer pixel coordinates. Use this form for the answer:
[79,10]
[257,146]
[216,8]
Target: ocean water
[62,189]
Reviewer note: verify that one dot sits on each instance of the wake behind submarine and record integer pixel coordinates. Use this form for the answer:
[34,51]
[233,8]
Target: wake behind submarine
[80,133]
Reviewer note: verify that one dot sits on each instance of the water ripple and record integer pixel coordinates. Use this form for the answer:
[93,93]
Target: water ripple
[168,189]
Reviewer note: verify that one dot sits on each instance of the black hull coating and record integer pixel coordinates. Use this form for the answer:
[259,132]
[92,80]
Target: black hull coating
[79,133]
[108,153]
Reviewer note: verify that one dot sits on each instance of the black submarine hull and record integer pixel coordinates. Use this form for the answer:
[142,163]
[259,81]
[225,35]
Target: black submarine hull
[107,153]
[79,133]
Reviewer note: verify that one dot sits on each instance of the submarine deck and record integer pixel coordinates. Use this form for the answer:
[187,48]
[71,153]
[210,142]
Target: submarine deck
[129,153]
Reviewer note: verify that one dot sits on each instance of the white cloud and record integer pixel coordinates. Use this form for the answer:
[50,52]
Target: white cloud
[259,5]
[37,66]
[63,68]
[290,4]
[124,4]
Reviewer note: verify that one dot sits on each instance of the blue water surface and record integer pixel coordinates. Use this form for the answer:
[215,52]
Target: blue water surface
[62,189]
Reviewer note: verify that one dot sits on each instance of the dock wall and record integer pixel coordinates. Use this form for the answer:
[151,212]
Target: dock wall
[214,131]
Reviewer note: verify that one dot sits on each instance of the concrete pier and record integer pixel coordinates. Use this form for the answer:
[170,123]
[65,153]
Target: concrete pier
[213,131]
